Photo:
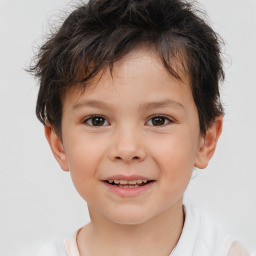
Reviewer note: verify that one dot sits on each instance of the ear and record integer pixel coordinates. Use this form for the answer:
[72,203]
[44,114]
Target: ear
[56,146]
[208,143]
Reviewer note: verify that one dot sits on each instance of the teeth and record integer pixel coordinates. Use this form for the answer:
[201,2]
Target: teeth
[129,182]
[132,182]
[126,186]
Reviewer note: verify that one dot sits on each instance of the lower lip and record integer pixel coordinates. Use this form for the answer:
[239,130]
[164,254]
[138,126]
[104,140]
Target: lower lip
[129,192]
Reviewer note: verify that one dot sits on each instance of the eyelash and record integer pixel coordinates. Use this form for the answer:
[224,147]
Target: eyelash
[154,116]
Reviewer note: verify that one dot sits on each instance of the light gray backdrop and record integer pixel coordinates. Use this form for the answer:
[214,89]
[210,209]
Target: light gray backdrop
[38,200]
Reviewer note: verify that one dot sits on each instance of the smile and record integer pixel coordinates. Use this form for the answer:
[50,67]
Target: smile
[128,183]
[128,187]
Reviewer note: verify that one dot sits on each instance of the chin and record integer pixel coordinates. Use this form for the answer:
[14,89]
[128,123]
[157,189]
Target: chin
[123,215]
[128,221]
[129,218]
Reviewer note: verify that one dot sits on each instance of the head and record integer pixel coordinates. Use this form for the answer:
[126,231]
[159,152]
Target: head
[127,53]
[101,32]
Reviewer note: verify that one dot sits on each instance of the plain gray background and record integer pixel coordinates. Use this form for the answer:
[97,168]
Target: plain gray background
[38,201]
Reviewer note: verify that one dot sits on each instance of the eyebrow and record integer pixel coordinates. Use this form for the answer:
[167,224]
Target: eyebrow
[144,106]
[161,104]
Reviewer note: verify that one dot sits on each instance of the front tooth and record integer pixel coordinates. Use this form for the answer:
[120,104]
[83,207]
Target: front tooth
[116,181]
[123,182]
[132,182]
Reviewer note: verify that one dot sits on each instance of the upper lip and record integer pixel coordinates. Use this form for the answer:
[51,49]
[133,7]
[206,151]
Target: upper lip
[127,177]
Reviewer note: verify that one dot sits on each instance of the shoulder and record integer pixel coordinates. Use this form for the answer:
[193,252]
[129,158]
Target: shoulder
[210,236]
[237,249]
[202,236]
[51,248]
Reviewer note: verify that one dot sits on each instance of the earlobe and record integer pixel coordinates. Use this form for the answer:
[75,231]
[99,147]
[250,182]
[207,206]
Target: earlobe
[208,143]
[56,147]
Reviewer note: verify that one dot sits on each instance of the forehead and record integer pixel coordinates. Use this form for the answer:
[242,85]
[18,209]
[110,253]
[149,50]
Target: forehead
[141,72]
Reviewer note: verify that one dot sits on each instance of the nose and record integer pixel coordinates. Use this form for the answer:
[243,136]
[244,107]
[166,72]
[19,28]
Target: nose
[127,146]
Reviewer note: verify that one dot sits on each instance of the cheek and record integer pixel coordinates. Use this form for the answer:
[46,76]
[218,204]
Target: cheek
[176,153]
[82,151]
[175,158]
[84,156]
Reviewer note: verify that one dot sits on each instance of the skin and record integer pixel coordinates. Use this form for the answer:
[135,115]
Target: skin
[130,142]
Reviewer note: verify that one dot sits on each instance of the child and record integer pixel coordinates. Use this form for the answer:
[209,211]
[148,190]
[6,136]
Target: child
[129,97]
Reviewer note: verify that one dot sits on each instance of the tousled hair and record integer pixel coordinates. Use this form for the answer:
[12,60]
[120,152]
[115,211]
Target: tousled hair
[98,33]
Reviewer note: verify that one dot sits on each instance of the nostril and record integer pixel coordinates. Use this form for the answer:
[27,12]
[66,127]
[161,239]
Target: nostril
[135,157]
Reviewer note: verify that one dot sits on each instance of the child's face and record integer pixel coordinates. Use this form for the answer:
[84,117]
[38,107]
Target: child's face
[127,141]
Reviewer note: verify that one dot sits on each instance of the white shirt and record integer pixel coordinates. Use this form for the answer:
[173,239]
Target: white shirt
[200,237]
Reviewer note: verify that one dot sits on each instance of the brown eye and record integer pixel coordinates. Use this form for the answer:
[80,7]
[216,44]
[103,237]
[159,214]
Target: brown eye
[160,120]
[95,121]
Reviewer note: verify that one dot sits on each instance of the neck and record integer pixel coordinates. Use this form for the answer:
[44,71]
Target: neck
[157,236]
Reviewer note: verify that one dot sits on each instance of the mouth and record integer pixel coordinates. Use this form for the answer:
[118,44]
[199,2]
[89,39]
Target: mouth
[129,186]
[128,183]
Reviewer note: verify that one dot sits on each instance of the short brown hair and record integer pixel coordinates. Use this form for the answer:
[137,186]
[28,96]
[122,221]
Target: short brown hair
[99,32]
